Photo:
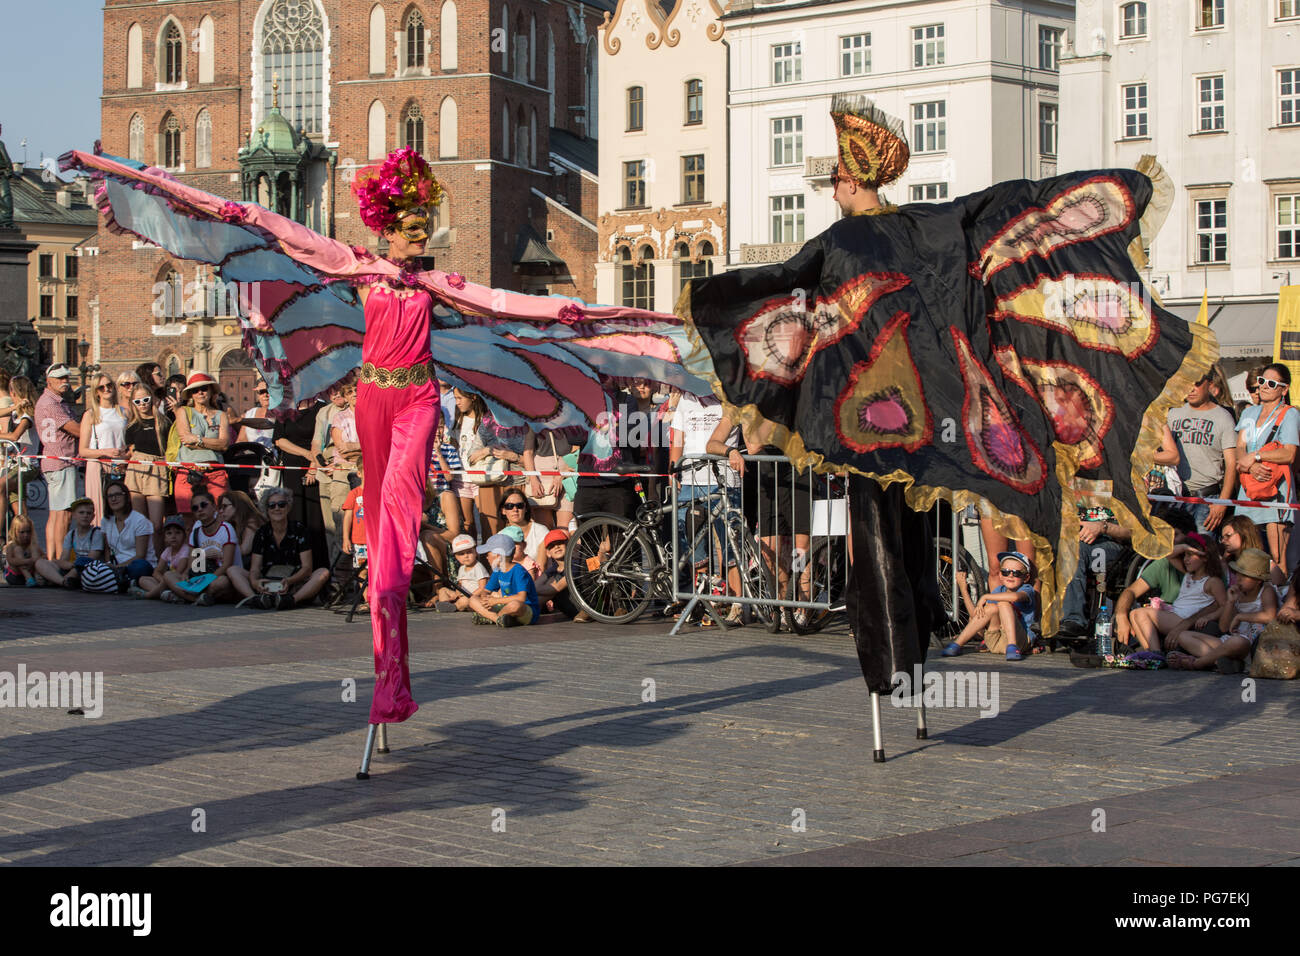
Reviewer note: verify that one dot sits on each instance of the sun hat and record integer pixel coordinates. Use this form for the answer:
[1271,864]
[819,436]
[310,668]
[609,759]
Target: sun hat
[498,544]
[558,536]
[1252,563]
[57,370]
[462,542]
[199,380]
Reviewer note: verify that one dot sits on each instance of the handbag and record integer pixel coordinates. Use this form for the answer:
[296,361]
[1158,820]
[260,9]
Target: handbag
[1266,490]
[489,471]
[99,578]
[554,482]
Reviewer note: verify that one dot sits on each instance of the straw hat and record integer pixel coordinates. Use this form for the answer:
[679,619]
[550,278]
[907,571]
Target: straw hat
[1252,563]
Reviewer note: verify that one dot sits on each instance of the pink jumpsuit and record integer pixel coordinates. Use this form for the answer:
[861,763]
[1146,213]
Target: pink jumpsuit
[396,427]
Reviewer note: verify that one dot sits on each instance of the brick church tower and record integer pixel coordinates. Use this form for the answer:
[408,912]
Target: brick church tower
[280,101]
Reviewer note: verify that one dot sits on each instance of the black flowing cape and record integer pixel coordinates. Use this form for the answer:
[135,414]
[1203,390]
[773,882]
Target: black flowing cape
[998,350]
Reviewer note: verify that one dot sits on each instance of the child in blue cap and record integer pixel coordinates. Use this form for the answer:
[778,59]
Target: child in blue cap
[1013,604]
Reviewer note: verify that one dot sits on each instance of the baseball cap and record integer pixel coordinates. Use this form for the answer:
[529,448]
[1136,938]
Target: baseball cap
[1015,556]
[174,521]
[462,542]
[558,535]
[57,370]
[498,544]
[515,532]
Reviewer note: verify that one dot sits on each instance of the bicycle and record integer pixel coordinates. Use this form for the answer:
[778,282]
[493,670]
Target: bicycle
[616,567]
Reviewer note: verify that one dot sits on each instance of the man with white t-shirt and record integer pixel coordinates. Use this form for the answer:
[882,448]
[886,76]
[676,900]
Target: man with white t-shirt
[1207,450]
[692,425]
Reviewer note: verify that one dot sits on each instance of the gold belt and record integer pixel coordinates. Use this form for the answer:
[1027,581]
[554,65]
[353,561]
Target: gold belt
[372,374]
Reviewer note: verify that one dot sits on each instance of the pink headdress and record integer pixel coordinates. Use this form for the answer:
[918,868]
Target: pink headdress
[404,181]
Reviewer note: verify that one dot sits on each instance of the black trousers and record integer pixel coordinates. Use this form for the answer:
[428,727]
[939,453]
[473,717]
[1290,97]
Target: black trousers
[893,595]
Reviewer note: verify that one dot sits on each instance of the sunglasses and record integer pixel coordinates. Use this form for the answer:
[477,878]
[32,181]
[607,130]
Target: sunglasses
[142,401]
[197,506]
[1270,383]
[260,391]
[104,388]
[277,504]
[1014,573]
[512,505]
[1254,390]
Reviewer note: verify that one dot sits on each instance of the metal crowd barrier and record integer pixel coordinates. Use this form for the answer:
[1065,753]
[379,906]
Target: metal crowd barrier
[743,551]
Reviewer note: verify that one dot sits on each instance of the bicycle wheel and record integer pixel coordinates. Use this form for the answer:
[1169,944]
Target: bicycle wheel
[824,583]
[610,565]
[975,585]
[757,581]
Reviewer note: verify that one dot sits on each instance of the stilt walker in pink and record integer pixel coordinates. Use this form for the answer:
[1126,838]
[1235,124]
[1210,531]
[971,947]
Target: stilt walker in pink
[397,413]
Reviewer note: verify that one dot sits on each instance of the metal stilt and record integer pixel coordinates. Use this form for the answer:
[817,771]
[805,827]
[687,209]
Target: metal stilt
[383,738]
[922,731]
[364,772]
[878,753]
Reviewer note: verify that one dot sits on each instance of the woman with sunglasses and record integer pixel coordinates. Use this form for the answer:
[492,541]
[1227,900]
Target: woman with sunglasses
[126,383]
[151,377]
[281,574]
[202,429]
[146,440]
[103,437]
[517,511]
[1267,437]
[1013,605]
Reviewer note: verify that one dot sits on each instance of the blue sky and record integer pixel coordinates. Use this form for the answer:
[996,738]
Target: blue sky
[49,95]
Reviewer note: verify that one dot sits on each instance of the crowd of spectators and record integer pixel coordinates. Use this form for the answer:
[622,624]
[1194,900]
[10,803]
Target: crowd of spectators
[178,524]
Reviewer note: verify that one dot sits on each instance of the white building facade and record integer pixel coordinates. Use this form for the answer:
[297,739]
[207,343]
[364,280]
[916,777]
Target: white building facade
[1212,89]
[974,81]
[663,150]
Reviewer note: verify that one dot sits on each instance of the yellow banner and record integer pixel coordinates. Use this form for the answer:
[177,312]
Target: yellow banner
[1203,317]
[1286,334]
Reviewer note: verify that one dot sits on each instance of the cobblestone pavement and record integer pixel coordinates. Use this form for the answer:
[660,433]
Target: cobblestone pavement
[542,746]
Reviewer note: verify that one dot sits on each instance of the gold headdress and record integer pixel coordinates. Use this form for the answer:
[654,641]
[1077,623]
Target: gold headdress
[872,149]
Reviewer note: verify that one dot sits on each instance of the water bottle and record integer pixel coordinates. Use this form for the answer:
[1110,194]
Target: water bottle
[1103,629]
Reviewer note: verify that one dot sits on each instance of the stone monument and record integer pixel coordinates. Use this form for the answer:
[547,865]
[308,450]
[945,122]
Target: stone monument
[19,337]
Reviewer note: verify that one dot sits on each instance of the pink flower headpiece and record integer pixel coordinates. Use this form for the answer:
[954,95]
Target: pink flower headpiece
[403,181]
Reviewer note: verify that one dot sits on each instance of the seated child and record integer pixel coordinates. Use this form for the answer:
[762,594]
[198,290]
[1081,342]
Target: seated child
[175,557]
[354,526]
[1251,605]
[508,597]
[470,573]
[1013,604]
[552,586]
[82,544]
[21,554]
[1201,596]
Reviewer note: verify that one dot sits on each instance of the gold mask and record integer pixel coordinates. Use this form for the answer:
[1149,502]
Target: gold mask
[415,228]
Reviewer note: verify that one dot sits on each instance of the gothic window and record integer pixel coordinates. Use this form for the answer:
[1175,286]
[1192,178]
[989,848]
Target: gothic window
[415,40]
[293,54]
[171,142]
[378,25]
[134,57]
[135,139]
[414,128]
[207,48]
[376,138]
[447,37]
[173,53]
[447,132]
[203,140]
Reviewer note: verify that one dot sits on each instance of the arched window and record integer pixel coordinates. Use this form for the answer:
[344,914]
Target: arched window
[638,278]
[207,43]
[169,300]
[172,54]
[171,142]
[135,139]
[413,123]
[447,38]
[415,40]
[532,48]
[550,71]
[447,129]
[1133,20]
[505,39]
[532,139]
[521,137]
[521,50]
[134,57]
[293,55]
[203,140]
[505,131]
[688,270]
[592,88]
[376,137]
[378,25]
